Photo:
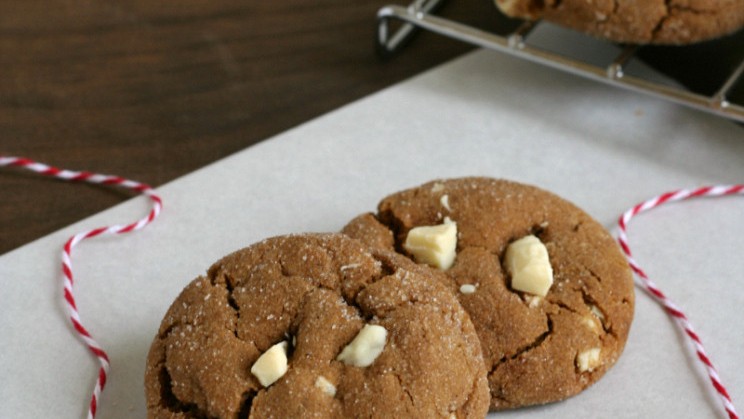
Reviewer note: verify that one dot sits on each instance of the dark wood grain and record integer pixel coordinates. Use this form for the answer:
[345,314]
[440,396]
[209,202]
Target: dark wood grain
[152,90]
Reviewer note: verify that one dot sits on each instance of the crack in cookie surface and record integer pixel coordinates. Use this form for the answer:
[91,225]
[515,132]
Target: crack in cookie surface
[172,403]
[525,349]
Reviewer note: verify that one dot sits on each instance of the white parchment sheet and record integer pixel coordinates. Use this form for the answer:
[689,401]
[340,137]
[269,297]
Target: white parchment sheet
[483,114]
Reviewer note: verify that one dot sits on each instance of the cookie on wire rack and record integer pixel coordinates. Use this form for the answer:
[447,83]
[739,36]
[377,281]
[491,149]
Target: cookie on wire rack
[669,22]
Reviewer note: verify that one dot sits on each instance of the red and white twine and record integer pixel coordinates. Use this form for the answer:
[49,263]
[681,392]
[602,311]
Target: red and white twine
[67,274]
[671,308]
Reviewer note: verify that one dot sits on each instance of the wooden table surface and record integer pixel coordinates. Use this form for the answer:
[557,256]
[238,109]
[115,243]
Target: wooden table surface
[151,91]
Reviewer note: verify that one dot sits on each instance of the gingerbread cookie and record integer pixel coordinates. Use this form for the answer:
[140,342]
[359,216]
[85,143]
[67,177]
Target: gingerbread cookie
[315,325]
[636,21]
[548,290]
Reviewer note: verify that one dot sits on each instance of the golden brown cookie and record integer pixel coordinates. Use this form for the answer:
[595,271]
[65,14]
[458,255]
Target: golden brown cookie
[636,21]
[537,350]
[307,299]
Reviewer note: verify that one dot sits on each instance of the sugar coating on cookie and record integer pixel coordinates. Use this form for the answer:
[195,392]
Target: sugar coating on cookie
[315,325]
[540,344]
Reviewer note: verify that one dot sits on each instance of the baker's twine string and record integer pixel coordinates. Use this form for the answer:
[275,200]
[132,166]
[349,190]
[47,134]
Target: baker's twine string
[671,308]
[67,274]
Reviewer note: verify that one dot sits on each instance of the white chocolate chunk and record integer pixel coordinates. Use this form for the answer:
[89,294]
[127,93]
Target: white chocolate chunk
[433,245]
[588,360]
[271,365]
[532,300]
[467,288]
[326,386]
[365,347]
[591,323]
[597,312]
[437,187]
[529,265]
[444,200]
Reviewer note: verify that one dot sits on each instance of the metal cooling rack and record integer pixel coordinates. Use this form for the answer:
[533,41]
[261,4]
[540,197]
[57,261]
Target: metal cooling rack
[419,15]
